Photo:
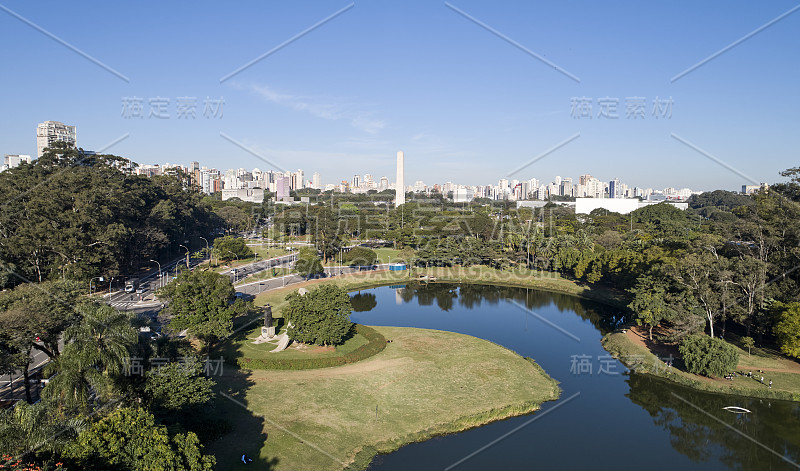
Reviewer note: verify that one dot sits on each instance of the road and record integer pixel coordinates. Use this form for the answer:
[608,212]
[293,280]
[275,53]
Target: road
[256,287]
[238,273]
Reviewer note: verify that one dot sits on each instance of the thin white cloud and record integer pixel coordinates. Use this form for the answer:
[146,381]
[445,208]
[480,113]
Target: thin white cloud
[330,109]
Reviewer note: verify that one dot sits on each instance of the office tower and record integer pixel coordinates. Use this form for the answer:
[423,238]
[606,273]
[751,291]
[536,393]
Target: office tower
[384,184]
[356,181]
[369,181]
[613,188]
[316,181]
[566,186]
[49,132]
[399,188]
[282,184]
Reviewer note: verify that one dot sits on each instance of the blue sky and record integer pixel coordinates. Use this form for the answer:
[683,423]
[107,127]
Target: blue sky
[465,105]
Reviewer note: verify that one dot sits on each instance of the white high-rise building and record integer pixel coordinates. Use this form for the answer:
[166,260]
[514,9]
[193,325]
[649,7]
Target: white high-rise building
[49,132]
[400,194]
[316,181]
[384,185]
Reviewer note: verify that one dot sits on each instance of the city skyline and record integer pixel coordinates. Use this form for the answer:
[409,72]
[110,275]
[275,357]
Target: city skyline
[461,100]
[211,180]
[231,180]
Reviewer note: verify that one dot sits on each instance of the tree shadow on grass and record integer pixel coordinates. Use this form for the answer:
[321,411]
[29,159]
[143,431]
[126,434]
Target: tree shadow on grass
[244,327]
[246,434]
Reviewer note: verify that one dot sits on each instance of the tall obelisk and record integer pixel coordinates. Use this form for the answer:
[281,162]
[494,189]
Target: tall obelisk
[399,189]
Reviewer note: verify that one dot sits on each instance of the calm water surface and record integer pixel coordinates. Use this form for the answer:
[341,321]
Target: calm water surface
[620,420]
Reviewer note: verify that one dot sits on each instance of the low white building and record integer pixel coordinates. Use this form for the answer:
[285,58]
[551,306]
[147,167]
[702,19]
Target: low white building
[617,205]
[254,195]
[14,160]
[463,195]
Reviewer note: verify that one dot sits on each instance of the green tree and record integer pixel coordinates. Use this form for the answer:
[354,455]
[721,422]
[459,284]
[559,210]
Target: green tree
[321,316]
[708,356]
[327,234]
[234,219]
[360,256]
[649,303]
[178,386]
[94,357]
[202,302]
[698,273]
[230,247]
[33,317]
[308,262]
[130,439]
[34,432]
[748,343]
[787,329]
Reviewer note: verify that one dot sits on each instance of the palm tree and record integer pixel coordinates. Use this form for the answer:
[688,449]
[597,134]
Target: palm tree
[96,350]
[103,337]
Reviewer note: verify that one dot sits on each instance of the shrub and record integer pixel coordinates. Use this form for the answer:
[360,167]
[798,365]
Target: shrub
[375,344]
[708,356]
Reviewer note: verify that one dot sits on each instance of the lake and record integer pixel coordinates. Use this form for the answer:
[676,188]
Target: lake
[606,417]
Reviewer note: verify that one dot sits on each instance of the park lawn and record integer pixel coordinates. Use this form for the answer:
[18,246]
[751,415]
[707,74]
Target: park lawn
[425,383]
[264,252]
[784,372]
[387,255]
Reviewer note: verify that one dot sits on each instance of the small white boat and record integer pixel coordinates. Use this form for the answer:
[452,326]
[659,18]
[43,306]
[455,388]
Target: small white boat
[736,410]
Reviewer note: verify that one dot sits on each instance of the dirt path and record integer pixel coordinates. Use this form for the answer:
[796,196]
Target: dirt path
[639,335]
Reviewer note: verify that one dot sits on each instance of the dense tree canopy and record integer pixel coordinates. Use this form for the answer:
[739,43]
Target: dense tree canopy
[321,316]
[708,356]
[79,216]
[130,439]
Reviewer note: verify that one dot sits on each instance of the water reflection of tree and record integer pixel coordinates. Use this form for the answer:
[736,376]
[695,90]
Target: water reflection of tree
[363,302]
[699,437]
[472,296]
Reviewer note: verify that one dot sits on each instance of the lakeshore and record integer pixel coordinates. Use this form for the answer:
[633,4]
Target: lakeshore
[425,383]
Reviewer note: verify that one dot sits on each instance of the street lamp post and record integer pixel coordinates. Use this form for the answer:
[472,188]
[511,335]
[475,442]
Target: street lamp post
[208,251]
[187,255]
[234,268]
[161,280]
[111,283]
[98,278]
